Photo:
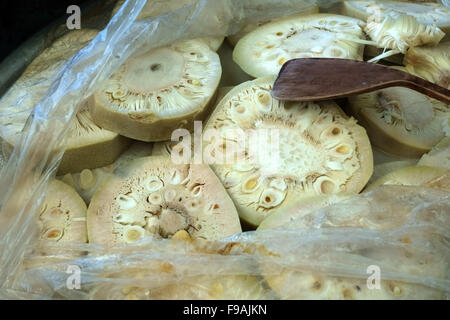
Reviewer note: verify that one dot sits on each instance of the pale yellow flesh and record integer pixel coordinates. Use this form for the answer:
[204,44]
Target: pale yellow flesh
[263,51]
[88,145]
[157,92]
[431,177]
[142,199]
[401,121]
[259,190]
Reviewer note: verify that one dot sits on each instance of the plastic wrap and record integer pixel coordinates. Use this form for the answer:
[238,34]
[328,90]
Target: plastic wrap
[240,267]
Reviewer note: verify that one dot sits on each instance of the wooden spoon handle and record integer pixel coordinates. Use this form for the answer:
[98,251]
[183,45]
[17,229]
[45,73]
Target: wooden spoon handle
[428,88]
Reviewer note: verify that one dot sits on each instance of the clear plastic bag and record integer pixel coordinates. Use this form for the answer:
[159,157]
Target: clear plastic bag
[246,266]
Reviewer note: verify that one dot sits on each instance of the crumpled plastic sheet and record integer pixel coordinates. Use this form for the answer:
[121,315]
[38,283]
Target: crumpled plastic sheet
[404,231]
[150,267]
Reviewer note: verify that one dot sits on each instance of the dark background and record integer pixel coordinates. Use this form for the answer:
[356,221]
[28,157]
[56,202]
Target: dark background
[21,19]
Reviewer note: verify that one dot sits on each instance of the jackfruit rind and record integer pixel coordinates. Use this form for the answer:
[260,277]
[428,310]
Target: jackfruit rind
[319,151]
[153,197]
[263,51]
[401,121]
[159,91]
[88,145]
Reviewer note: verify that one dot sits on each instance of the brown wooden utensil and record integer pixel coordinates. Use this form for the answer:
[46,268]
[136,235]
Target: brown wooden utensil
[314,79]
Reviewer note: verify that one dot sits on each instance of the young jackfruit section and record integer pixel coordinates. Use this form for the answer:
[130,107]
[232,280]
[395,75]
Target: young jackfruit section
[401,121]
[159,91]
[152,197]
[88,145]
[329,192]
[263,51]
[321,150]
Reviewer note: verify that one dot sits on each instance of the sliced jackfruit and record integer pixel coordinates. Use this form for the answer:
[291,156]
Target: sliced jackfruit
[153,9]
[63,214]
[401,121]
[282,218]
[381,170]
[233,39]
[88,181]
[159,91]
[430,62]
[263,51]
[432,177]
[268,153]
[88,145]
[152,197]
[439,156]
[62,218]
[389,209]
[425,13]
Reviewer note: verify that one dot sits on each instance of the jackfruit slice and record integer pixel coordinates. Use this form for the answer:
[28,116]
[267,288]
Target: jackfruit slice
[385,168]
[152,197]
[159,91]
[88,181]
[153,9]
[439,156]
[432,177]
[63,214]
[263,51]
[62,218]
[401,121]
[281,219]
[88,145]
[425,13]
[233,39]
[268,153]
[431,63]
[389,209]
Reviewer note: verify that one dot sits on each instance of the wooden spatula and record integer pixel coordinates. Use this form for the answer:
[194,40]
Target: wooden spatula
[314,79]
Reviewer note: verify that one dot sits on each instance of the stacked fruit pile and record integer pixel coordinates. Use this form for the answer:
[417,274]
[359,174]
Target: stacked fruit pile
[118,181]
